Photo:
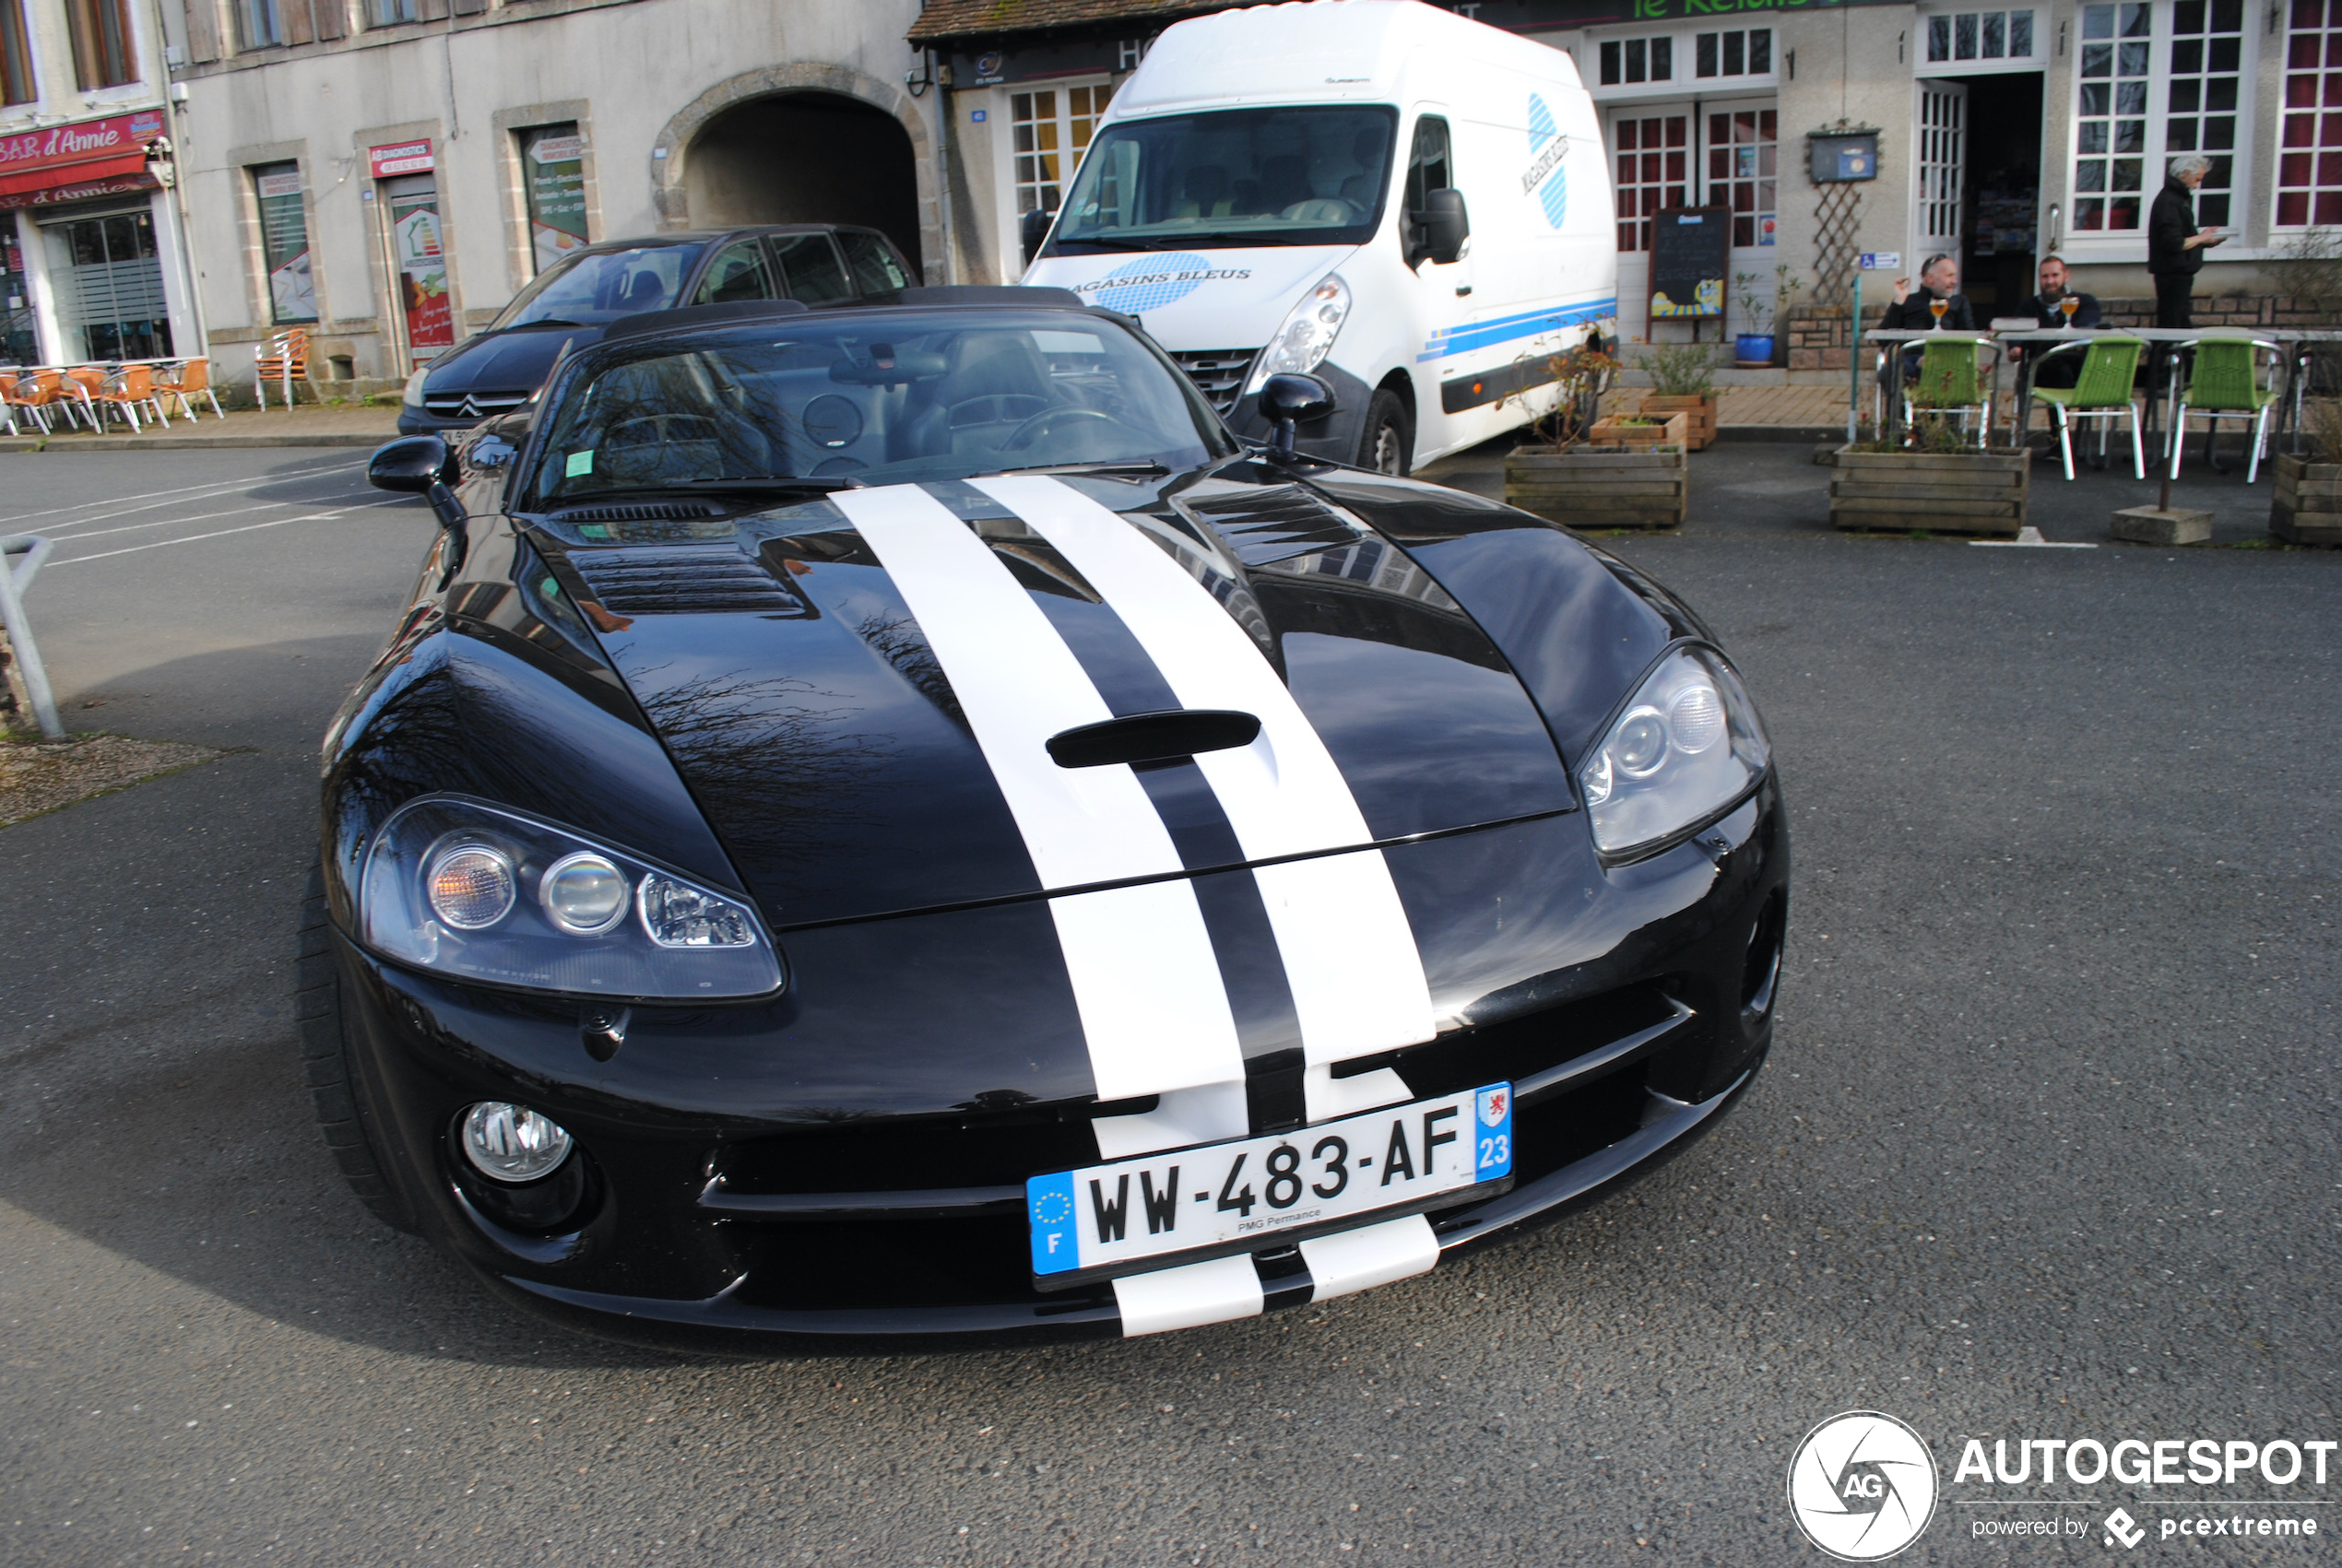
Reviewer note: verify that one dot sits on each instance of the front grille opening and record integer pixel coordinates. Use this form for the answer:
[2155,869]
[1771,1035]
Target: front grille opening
[900,1155]
[1760,976]
[1520,1047]
[1569,1127]
[934,1263]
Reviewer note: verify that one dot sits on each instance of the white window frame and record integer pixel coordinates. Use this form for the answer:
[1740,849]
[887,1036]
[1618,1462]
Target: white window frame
[1685,83]
[2284,45]
[2080,244]
[2039,60]
[999,119]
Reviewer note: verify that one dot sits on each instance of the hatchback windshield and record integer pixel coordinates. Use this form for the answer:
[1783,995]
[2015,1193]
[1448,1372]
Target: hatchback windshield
[1241,176]
[599,287]
[874,398]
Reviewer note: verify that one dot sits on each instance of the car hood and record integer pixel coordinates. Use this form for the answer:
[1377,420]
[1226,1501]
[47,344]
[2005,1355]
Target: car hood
[1200,298]
[503,362]
[859,691]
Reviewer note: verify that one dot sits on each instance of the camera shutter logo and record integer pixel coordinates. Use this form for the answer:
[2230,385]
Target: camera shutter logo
[1863,1486]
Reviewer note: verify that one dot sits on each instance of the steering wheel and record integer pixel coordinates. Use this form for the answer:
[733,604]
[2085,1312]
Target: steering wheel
[1031,430]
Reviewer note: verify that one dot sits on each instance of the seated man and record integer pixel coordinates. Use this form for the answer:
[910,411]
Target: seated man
[1939,279]
[2066,370]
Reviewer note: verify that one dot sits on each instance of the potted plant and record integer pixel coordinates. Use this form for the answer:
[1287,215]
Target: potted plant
[1938,480]
[1753,350]
[1558,475]
[1682,382]
[2307,507]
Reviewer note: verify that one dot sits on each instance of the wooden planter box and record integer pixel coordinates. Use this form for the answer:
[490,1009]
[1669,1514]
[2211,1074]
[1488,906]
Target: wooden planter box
[2307,509]
[1599,486]
[1699,417]
[1948,492]
[1614,431]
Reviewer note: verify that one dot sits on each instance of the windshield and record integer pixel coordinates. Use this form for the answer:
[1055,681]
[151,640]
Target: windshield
[1243,176]
[871,399]
[599,287]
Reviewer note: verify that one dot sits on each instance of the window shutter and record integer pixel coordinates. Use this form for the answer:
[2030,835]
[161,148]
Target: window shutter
[203,31]
[470,8]
[333,17]
[298,28]
[431,10]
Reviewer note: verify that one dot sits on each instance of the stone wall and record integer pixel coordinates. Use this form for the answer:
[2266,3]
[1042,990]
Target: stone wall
[1817,338]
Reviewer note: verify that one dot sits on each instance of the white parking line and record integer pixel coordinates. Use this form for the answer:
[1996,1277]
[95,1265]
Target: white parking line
[163,498]
[167,522]
[222,533]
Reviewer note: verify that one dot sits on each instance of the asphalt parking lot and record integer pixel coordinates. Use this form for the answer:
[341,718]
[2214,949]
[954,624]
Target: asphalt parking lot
[2047,1147]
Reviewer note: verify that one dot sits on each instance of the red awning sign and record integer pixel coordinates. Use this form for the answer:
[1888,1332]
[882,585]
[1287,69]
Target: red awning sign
[407,158]
[84,152]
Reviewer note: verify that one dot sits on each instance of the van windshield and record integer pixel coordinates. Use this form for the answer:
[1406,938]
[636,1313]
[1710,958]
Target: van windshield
[596,287]
[1232,177]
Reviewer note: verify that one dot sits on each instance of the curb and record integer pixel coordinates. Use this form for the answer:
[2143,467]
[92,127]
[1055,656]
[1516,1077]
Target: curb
[192,443]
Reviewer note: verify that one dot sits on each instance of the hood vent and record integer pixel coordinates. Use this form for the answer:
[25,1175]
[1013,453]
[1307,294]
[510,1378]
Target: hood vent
[707,579]
[640,512]
[1273,524]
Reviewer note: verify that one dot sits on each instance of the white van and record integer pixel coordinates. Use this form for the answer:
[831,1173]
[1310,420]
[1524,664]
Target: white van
[1409,205]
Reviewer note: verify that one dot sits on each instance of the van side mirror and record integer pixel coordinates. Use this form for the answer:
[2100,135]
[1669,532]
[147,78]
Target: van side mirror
[1287,400]
[1033,229]
[1441,227]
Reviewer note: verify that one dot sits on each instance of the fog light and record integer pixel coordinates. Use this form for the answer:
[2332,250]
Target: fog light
[511,1143]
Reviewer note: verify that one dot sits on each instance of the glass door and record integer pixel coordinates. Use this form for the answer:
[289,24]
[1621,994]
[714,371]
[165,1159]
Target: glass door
[418,264]
[107,272]
[18,346]
[1654,164]
[1942,147]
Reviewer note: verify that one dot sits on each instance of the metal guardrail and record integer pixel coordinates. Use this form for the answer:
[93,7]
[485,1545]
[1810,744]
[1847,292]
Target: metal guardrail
[21,558]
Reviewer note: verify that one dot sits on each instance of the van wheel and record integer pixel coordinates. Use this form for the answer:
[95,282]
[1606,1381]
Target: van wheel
[1388,445]
[333,1086]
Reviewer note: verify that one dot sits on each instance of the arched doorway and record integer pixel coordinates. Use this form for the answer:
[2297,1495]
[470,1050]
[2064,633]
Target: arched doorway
[806,158]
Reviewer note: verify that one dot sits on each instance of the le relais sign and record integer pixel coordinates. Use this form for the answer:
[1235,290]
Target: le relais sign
[84,141]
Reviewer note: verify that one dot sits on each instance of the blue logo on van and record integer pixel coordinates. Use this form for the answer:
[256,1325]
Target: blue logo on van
[1545,175]
[1152,282]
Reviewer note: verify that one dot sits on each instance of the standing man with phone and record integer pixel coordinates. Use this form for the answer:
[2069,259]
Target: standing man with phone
[2175,246]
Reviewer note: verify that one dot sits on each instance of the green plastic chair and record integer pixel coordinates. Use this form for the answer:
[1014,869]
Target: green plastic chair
[2225,384]
[1951,381]
[2101,392]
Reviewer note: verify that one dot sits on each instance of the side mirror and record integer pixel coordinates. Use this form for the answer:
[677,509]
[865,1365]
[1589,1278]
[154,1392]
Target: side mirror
[1288,400]
[1441,228]
[1033,229]
[411,465]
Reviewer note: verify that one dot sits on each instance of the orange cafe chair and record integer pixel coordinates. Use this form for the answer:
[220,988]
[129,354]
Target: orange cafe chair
[130,389]
[189,378]
[284,359]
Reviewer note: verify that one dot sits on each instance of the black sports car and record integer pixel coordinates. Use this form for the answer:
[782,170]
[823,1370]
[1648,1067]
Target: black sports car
[890,820]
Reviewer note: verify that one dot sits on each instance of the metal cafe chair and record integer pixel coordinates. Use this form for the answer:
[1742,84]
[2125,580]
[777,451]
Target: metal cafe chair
[2102,392]
[88,380]
[130,389]
[37,391]
[1952,382]
[2226,383]
[284,360]
[183,379]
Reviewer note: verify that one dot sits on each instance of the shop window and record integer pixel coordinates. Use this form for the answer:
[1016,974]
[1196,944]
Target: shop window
[1627,60]
[108,279]
[260,24]
[1050,130]
[2309,161]
[16,55]
[1980,35]
[284,242]
[1748,54]
[1742,146]
[1653,163]
[102,56]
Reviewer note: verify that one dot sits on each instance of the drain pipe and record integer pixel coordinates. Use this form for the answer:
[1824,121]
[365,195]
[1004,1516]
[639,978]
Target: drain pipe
[940,73]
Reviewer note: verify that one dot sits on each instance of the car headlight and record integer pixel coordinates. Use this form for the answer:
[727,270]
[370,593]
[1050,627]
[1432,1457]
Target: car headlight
[414,393]
[485,893]
[1687,745]
[1308,333]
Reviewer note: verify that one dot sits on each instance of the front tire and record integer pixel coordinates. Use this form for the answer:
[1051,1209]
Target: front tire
[1388,443]
[334,1085]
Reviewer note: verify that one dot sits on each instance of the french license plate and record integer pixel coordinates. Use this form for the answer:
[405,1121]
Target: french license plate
[1213,1199]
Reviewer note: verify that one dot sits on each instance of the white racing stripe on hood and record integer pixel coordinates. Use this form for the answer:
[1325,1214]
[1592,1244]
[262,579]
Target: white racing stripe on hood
[1155,1011]
[1350,956]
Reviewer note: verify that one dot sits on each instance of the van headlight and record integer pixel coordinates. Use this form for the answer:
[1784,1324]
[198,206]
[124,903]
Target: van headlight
[480,892]
[1308,333]
[413,397]
[1687,745]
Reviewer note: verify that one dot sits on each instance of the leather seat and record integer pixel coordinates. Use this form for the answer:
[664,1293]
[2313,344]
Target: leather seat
[996,382]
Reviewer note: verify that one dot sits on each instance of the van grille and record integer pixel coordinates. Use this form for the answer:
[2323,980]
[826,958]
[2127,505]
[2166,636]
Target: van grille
[1218,374]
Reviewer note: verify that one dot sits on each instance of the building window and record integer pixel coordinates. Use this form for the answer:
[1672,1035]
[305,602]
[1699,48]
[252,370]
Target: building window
[1980,35]
[101,54]
[16,55]
[2127,126]
[390,13]
[1627,61]
[1051,129]
[2207,74]
[2110,128]
[2309,161]
[552,169]
[284,242]
[1653,163]
[1748,54]
[1742,145]
[260,24]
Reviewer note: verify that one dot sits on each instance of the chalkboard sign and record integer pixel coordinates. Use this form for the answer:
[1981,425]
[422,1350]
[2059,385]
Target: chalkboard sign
[1690,252]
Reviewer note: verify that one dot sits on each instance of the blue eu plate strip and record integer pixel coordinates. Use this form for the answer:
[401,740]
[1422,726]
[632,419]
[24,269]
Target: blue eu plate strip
[1049,1202]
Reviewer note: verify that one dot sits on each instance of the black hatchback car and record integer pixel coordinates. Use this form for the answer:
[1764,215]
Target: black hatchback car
[891,820]
[499,368]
